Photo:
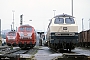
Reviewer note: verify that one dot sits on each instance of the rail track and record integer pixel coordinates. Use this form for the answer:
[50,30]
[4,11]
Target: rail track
[73,55]
[19,54]
[69,56]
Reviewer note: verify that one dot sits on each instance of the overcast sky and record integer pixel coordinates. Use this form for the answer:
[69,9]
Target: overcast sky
[40,11]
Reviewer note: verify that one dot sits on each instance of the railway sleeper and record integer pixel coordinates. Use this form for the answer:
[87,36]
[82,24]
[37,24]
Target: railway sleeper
[72,57]
[9,57]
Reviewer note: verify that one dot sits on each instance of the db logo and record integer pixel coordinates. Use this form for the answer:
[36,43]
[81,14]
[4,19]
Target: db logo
[25,34]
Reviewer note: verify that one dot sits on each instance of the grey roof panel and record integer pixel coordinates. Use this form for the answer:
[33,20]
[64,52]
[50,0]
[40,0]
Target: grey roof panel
[63,15]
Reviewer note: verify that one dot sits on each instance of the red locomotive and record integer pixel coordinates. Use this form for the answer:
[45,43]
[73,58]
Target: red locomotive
[26,36]
[11,38]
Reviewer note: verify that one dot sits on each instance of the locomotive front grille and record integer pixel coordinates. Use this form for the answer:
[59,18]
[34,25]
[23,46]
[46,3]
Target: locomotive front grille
[25,37]
[64,34]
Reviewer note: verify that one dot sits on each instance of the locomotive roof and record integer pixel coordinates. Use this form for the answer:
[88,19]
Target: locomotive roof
[11,31]
[25,25]
[63,15]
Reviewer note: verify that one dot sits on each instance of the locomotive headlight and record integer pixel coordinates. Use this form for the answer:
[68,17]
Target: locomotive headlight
[21,37]
[57,34]
[72,34]
[29,34]
[52,34]
[28,37]
[46,41]
[21,34]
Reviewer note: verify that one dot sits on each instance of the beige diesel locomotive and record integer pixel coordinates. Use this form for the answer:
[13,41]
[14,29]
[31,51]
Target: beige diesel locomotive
[62,32]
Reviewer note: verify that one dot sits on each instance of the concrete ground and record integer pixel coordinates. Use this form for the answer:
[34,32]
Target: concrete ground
[45,53]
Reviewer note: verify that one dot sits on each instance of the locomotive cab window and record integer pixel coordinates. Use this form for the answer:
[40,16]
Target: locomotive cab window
[69,21]
[59,21]
[28,28]
[22,28]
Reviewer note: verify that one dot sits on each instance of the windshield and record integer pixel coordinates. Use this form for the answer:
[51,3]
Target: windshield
[11,34]
[69,21]
[28,28]
[59,21]
[25,28]
[22,28]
